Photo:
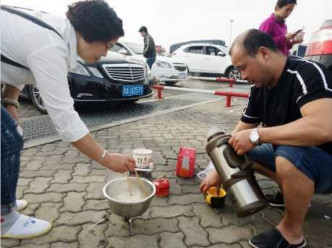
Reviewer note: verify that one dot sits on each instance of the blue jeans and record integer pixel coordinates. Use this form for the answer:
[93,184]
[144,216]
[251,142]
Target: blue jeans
[315,163]
[150,61]
[11,147]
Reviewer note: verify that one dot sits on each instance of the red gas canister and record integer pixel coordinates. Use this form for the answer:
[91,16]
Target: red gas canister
[162,186]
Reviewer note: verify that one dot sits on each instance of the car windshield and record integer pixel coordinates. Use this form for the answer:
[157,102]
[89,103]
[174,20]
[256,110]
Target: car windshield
[135,48]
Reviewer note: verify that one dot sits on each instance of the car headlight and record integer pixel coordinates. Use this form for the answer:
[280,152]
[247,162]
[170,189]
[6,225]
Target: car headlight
[148,74]
[163,64]
[80,69]
[95,72]
[147,69]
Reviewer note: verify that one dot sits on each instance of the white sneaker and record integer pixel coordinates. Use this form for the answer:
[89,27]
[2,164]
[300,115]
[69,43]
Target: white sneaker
[21,204]
[27,227]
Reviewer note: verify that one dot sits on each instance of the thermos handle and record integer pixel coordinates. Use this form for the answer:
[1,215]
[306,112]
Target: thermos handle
[247,162]
[224,140]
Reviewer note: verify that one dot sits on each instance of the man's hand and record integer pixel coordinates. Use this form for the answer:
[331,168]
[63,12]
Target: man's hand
[297,40]
[118,162]
[290,36]
[240,141]
[211,179]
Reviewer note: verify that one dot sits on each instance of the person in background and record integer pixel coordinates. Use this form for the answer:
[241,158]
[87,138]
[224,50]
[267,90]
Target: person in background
[149,47]
[276,27]
[39,48]
[292,101]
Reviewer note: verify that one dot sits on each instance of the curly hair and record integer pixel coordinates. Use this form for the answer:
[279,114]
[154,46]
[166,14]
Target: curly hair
[95,20]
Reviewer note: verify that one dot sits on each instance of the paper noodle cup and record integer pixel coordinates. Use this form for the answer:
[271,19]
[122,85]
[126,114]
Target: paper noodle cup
[142,157]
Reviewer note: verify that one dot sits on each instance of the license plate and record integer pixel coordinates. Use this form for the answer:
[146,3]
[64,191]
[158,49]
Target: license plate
[182,75]
[132,90]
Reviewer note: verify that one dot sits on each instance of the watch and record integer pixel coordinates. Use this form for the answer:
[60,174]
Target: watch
[254,136]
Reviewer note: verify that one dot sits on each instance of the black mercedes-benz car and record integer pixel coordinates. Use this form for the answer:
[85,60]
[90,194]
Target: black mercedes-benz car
[111,79]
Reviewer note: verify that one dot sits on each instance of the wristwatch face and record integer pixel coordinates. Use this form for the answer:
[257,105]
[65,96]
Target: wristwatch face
[254,136]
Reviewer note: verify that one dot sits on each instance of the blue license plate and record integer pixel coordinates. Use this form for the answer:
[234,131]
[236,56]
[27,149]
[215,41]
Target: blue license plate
[132,90]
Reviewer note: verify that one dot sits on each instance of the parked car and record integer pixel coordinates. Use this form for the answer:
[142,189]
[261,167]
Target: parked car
[165,69]
[208,59]
[175,46]
[320,45]
[298,50]
[111,79]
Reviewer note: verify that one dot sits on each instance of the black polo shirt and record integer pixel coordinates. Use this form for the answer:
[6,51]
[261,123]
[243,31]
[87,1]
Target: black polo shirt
[301,81]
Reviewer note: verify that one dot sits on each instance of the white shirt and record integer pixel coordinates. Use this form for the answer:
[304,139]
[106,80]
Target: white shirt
[49,57]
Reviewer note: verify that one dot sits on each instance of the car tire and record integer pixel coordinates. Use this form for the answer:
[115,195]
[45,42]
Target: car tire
[192,74]
[36,99]
[172,83]
[132,101]
[233,73]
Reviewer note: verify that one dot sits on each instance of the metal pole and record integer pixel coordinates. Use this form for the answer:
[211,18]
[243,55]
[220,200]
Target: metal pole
[160,93]
[230,31]
[228,101]
[227,94]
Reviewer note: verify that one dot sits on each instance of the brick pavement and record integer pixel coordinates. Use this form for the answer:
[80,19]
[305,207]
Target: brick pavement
[65,187]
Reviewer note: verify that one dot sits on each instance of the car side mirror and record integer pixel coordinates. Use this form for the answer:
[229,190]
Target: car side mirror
[220,53]
[123,51]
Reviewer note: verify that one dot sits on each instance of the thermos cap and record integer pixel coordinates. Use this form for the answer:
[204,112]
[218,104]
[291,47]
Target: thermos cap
[214,131]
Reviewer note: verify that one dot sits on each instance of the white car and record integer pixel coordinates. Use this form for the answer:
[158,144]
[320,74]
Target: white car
[207,58]
[165,69]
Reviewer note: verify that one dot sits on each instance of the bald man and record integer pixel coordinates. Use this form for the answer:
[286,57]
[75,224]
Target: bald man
[285,128]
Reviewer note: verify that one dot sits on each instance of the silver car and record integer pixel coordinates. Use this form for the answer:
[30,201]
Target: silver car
[165,69]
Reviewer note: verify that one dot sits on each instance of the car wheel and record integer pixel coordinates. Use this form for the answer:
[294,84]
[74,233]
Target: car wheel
[36,99]
[171,83]
[192,74]
[234,73]
[132,101]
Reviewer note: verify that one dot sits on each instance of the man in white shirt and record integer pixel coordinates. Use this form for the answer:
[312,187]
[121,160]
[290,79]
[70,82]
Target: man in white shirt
[40,48]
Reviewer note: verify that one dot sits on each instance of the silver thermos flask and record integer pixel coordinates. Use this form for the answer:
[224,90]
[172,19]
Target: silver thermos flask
[235,173]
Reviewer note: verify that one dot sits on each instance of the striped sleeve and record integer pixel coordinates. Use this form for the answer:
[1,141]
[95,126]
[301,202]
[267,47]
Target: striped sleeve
[250,112]
[314,82]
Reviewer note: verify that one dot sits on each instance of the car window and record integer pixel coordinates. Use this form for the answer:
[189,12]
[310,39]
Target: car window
[211,51]
[116,48]
[135,48]
[195,49]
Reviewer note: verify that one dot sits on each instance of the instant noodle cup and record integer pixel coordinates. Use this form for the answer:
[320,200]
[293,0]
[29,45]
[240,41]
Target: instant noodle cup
[142,157]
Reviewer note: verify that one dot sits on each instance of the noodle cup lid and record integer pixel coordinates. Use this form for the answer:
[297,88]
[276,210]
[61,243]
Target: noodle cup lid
[142,151]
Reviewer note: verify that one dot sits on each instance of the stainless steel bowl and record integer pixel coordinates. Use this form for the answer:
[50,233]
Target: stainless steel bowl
[126,205]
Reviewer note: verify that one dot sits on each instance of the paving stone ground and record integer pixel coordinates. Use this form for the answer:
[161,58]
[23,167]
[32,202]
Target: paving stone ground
[64,187]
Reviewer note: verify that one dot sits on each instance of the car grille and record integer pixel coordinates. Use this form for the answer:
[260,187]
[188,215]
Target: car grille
[125,72]
[180,67]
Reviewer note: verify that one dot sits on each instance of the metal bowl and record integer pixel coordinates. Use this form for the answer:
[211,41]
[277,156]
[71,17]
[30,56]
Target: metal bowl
[122,203]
